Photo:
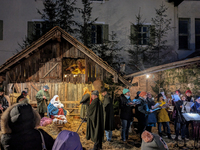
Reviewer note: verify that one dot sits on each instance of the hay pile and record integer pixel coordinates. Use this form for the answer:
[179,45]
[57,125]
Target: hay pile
[117,144]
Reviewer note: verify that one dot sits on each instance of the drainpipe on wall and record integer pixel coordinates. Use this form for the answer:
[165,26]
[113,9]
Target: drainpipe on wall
[176,30]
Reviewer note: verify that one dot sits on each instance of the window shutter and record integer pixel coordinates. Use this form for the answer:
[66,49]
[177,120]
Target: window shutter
[105,33]
[30,29]
[132,34]
[152,34]
[1,29]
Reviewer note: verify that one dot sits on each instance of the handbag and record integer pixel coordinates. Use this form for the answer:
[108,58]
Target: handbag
[43,142]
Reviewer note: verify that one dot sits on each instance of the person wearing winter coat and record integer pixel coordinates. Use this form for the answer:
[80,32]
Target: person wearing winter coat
[142,111]
[19,131]
[196,106]
[22,98]
[126,113]
[42,98]
[152,120]
[108,114]
[179,120]
[189,97]
[163,117]
[85,101]
[3,101]
[95,121]
[151,141]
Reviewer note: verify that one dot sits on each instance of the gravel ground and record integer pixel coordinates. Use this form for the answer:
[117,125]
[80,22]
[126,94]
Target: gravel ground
[117,144]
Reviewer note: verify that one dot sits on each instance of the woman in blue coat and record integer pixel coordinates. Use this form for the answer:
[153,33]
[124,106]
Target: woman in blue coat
[152,116]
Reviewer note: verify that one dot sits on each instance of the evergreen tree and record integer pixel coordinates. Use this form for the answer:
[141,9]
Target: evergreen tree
[159,31]
[50,11]
[55,13]
[137,54]
[86,26]
[66,10]
[109,51]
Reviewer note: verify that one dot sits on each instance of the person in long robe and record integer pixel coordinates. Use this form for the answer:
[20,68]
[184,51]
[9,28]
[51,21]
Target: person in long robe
[85,101]
[95,121]
[108,114]
[42,98]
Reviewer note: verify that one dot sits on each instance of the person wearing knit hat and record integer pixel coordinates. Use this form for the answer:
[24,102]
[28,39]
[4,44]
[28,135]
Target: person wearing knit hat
[151,141]
[126,113]
[189,97]
[142,110]
[42,98]
[143,94]
[125,91]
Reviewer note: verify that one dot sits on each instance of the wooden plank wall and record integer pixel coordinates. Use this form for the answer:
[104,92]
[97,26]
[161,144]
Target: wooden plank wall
[35,66]
[70,94]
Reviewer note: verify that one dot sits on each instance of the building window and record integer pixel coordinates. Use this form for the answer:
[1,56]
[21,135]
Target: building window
[183,33]
[1,29]
[141,34]
[99,33]
[36,29]
[197,33]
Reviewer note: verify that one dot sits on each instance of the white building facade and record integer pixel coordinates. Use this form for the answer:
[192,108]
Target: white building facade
[113,15]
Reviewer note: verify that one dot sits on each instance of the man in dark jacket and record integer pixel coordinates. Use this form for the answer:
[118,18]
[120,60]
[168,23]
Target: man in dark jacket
[142,111]
[179,120]
[126,113]
[95,121]
[108,114]
[3,103]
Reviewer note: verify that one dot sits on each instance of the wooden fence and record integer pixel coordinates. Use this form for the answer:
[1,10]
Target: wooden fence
[69,94]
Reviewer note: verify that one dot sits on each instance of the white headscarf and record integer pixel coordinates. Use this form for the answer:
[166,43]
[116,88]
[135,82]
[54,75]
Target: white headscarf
[163,94]
[54,99]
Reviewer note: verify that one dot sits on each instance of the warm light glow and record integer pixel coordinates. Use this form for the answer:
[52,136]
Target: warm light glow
[147,76]
[75,75]
[65,76]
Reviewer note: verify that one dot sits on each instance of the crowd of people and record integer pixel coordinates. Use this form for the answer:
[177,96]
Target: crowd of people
[20,120]
[151,112]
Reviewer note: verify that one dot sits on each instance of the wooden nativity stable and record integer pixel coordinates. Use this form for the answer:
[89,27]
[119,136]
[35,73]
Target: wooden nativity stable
[60,61]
